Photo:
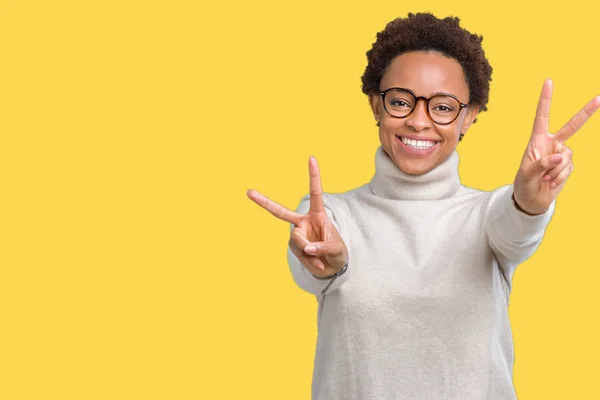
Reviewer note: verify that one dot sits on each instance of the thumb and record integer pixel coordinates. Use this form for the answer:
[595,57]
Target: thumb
[543,164]
[332,248]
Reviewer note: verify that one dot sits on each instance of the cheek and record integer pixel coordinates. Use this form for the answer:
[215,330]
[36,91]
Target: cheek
[391,124]
[450,133]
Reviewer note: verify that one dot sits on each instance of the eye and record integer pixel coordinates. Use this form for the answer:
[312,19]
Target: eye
[399,103]
[443,108]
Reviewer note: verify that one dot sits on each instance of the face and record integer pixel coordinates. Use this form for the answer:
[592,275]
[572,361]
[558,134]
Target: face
[425,74]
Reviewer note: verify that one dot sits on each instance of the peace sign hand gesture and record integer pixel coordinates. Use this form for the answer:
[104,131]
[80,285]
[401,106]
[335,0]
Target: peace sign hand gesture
[314,239]
[547,161]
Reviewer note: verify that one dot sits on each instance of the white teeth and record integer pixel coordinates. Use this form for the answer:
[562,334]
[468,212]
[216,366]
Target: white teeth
[418,144]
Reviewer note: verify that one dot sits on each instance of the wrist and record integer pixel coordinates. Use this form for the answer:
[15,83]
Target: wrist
[527,211]
[338,273]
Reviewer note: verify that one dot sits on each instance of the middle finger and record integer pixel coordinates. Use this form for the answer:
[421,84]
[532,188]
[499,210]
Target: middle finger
[575,123]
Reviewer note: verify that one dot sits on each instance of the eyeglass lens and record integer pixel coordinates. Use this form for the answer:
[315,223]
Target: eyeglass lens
[442,109]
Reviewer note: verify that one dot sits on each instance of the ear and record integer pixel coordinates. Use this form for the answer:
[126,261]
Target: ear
[374,102]
[471,114]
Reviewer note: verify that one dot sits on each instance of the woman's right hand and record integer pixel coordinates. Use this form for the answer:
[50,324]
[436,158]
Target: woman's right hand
[314,239]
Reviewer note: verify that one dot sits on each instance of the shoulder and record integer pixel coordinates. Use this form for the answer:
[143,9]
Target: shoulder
[490,203]
[485,197]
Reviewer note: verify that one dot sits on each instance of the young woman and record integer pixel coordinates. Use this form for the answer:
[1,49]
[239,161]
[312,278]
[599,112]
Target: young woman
[413,270]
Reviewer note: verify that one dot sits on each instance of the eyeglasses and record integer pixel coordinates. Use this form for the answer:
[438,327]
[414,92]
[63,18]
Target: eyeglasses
[441,109]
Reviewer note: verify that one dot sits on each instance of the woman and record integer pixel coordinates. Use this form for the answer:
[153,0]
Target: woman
[413,270]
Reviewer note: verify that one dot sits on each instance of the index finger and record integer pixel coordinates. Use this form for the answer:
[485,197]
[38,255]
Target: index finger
[274,208]
[540,124]
[316,190]
[578,120]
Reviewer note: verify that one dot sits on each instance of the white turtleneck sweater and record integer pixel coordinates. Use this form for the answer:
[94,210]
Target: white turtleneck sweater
[421,311]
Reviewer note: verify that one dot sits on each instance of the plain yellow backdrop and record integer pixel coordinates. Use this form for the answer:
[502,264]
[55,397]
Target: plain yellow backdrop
[132,265]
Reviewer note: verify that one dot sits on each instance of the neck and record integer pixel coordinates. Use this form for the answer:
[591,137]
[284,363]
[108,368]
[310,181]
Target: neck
[391,183]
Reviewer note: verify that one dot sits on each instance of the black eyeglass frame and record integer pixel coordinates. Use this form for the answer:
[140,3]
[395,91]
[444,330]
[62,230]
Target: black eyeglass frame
[417,98]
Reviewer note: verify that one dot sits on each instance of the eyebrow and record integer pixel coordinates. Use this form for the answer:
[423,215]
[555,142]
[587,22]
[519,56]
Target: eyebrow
[434,94]
[443,94]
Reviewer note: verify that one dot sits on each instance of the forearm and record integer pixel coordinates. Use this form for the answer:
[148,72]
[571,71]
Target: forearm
[312,284]
[513,232]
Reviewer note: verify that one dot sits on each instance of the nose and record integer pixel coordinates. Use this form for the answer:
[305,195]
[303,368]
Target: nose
[418,118]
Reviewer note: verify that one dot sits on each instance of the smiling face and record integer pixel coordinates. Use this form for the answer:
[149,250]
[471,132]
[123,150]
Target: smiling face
[425,74]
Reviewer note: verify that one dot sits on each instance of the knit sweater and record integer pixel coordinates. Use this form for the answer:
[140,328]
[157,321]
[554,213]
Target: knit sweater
[421,311]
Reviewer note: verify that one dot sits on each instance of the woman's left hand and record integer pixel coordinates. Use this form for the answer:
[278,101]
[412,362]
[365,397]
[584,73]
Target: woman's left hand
[547,161]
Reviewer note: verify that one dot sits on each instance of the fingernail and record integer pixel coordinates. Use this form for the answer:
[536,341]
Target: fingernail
[556,158]
[546,178]
[310,249]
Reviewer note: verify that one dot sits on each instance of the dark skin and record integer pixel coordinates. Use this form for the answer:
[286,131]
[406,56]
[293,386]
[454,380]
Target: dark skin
[547,162]
[545,166]
[314,239]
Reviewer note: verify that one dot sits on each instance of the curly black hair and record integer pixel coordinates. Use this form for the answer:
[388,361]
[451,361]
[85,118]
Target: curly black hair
[425,32]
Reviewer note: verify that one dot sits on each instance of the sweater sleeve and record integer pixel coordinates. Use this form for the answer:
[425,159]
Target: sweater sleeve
[303,278]
[513,235]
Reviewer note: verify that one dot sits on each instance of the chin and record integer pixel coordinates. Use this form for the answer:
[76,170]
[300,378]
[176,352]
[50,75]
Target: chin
[414,168]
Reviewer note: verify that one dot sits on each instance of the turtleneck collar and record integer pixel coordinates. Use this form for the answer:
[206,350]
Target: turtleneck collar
[391,183]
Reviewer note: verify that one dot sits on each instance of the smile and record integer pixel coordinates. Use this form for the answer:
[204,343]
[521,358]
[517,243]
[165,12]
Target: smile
[417,144]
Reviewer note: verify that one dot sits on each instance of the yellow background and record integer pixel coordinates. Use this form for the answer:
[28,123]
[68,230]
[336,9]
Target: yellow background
[132,264]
